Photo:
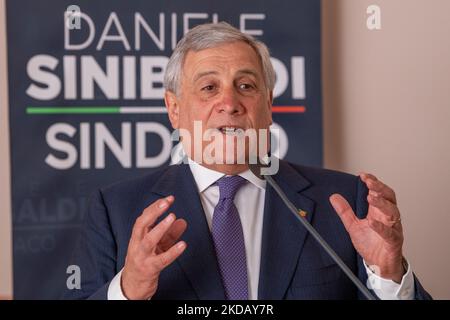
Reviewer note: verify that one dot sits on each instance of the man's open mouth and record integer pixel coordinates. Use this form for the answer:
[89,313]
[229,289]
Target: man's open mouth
[231,130]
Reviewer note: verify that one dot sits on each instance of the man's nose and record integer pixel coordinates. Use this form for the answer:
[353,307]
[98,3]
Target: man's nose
[229,102]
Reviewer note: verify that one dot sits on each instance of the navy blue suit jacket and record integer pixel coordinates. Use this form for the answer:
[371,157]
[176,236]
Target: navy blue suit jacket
[293,266]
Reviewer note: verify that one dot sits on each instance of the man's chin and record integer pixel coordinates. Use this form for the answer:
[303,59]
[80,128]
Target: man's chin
[228,169]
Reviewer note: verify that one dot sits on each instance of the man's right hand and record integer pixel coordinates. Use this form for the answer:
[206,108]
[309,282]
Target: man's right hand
[151,249]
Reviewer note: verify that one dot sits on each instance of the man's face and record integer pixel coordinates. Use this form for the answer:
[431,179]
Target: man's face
[221,87]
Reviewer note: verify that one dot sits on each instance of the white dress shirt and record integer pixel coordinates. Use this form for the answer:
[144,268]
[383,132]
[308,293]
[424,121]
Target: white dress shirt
[249,201]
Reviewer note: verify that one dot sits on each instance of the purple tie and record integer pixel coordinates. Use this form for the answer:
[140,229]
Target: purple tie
[229,240]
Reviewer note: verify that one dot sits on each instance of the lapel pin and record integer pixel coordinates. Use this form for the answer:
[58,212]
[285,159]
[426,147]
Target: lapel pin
[302,213]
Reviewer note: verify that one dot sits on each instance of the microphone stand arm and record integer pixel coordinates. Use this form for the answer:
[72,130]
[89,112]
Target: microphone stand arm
[319,239]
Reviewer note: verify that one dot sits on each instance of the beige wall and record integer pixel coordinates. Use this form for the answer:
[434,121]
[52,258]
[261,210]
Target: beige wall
[5,202]
[387,111]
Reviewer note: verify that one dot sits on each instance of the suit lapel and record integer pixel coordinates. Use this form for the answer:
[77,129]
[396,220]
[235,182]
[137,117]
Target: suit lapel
[282,240]
[199,260]
[283,235]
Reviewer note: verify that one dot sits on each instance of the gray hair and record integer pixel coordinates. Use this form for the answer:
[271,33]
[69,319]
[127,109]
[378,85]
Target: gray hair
[208,36]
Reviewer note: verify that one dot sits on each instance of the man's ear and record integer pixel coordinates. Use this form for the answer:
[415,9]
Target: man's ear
[172,106]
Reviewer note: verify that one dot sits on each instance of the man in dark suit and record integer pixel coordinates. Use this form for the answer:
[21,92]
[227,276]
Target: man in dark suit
[238,240]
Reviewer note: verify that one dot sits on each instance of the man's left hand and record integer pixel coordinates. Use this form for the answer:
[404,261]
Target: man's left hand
[378,238]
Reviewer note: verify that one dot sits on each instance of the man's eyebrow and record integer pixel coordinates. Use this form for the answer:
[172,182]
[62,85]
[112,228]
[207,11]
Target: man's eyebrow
[249,72]
[202,74]
[213,72]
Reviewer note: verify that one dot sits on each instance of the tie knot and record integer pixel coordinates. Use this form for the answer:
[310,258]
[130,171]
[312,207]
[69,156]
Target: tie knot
[228,186]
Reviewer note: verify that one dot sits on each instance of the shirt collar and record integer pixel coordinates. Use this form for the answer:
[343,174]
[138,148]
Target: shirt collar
[205,177]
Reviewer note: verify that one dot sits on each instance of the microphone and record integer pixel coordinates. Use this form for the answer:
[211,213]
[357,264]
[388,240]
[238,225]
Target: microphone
[257,170]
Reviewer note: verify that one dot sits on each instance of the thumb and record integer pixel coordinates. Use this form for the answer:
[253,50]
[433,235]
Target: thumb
[344,210]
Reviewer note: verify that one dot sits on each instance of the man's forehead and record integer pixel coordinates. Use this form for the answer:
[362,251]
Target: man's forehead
[234,47]
[237,55]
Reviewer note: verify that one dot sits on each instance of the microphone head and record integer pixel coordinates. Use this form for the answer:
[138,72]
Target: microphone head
[255,168]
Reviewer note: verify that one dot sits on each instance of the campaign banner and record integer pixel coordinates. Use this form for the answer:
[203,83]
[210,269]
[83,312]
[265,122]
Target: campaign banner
[86,106]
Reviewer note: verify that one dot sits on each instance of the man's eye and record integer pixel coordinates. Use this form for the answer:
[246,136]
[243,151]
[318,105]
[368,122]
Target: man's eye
[208,88]
[245,86]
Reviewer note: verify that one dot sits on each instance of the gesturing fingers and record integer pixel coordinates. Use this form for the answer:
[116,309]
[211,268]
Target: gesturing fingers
[387,212]
[153,237]
[166,258]
[146,256]
[172,235]
[149,216]
[344,210]
[377,186]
